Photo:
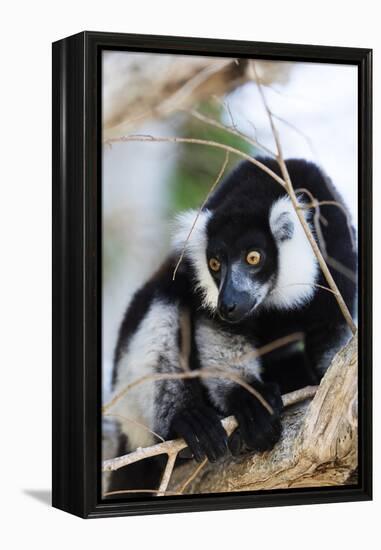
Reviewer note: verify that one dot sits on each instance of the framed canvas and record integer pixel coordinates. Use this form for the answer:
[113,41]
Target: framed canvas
[211,274]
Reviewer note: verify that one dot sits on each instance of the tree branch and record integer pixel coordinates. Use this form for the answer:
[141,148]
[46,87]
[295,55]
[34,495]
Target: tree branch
[318,445]
[173,447]
[196,141]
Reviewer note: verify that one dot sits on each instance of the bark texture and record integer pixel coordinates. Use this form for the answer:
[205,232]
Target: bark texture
[318,446]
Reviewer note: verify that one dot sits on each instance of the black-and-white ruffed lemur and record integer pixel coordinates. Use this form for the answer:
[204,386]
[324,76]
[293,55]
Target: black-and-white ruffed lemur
[248,277]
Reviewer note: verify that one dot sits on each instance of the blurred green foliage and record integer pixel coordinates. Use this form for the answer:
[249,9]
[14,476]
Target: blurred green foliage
[198,165]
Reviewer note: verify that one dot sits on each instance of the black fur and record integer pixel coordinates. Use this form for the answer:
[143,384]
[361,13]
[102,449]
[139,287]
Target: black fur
[246,195]
[240,215]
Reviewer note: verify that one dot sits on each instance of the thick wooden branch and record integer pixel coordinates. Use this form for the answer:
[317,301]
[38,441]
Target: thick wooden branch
[318,447]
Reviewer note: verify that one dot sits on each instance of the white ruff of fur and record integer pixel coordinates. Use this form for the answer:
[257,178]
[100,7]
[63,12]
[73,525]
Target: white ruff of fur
[195,251]
[298,266]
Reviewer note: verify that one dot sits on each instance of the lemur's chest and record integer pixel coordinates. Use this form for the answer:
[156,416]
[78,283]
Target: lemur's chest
[219,348]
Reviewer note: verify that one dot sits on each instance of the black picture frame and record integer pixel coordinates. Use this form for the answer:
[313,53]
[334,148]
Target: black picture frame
[77,271]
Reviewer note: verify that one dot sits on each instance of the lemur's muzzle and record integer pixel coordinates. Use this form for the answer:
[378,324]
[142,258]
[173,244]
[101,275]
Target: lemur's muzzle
[233,304]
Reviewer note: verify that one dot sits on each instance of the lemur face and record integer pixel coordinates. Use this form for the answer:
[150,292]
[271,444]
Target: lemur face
[248,258]
[243,262]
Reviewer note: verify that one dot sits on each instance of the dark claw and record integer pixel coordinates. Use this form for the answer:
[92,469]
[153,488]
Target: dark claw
[235,443]
[202,430]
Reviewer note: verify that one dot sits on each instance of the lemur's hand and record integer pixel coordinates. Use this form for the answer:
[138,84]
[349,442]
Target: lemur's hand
[258,430]
[203,432]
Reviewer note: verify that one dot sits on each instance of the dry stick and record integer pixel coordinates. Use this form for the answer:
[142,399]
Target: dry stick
[234,132]
[193,475]
[279,289]
[176,445]
[300,132]
[221,374]
[167,474]
[217,373]
[216,182]
[197,373]
[140,424]
[196,141]
[194,82]
[267,348]
[317,218]
[226,106]
[199,78]
[341,268]
[346,214]
[286,177]
[315,203]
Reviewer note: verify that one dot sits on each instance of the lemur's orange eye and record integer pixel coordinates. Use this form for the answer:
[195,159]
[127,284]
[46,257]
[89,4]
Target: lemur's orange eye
[253,257]
[214,264]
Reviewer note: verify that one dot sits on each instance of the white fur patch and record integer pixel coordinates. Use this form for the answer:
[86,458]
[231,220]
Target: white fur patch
[195,251]
[155,337]
[298,267]
[218,348]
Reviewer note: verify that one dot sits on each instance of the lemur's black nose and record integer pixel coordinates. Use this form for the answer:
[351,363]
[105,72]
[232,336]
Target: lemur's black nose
[231,307]
[227,310]
[234,306]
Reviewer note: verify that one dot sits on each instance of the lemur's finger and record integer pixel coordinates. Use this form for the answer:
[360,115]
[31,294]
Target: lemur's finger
[212,424]
[186,431]
[235,442]
[201,431]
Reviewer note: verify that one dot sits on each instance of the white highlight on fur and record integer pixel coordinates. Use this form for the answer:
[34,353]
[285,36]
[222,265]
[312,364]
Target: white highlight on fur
[218,348]
[298,266]
[155,337]
[195,251]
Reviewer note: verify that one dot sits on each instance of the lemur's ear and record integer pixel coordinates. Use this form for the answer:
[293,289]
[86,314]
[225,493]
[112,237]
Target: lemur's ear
[283,227]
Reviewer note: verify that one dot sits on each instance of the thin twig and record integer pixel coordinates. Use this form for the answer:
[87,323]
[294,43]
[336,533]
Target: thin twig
[232,131]
[140,424]
[341,268]
[176,445]
[215,183]
[188,88]
[271,346]
[219,372]
[300,132]
[338,266]
[197,373]
[279,289]
[169,104]
[290,189]
[196,141]
[193,475]
[315,202]
[167,474]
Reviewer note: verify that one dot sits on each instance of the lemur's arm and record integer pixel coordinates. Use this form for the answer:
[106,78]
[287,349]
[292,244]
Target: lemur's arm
[235,356]
[149,344]
[258,430]
[183,411]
